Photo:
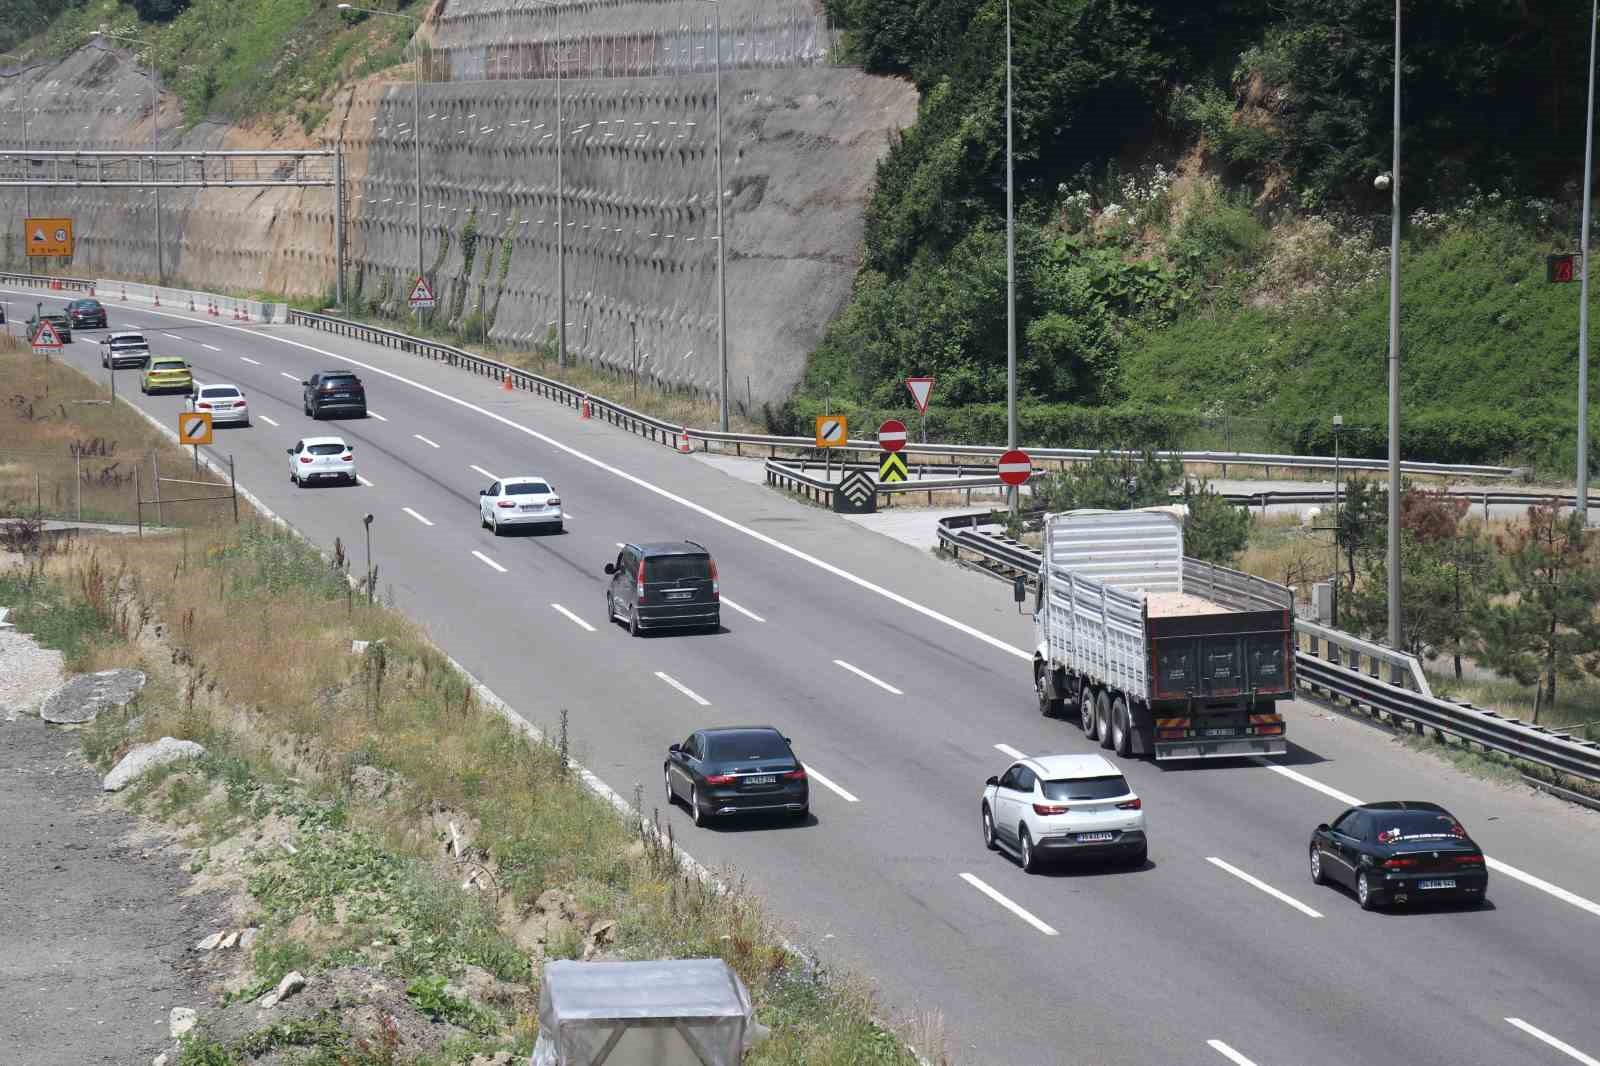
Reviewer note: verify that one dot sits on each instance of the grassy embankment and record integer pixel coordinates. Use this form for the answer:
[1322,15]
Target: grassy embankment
[288,726]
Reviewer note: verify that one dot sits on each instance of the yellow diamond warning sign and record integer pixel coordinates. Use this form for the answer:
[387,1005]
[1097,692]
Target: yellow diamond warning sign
[49,236]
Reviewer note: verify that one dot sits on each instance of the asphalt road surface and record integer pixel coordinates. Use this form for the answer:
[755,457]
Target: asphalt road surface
[904,683]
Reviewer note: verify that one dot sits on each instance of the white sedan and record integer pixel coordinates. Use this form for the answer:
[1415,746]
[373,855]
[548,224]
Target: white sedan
[528,500]
[225,403]
[315,459]
[1063,805]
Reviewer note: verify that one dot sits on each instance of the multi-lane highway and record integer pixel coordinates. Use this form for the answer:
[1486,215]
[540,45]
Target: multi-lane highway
[904,682]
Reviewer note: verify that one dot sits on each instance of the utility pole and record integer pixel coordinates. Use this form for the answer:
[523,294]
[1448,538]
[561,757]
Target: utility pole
[1394,358]
[1011,280]
[155,143]
[1583,290]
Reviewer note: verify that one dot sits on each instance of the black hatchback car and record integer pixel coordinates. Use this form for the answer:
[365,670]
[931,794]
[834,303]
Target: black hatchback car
[87,314]
[745,770]
[664,586]
[1399,852]
[334,392]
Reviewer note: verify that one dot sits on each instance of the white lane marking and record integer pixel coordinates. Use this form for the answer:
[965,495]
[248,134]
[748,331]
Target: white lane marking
[825,783]
[415,515]
[1228,1053]
[1282,897]
[1007,749]
[425,440]
[488,561]
[1008,905]
[370,412]
[213,347]
[685,689]
[573,618]
[868,677]
[247,359]
[267,420]
[1560,1045]
[174,336]
[479,469]
[747,612]
[364,481]
[1498,866]
[286,374]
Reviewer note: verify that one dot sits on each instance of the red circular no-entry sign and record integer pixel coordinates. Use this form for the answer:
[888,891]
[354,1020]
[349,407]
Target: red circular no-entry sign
[892,435]
[1015,467]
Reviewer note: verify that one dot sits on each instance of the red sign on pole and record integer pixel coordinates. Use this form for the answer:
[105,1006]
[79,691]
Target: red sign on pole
[892,435]
[1015,467]
[921,392]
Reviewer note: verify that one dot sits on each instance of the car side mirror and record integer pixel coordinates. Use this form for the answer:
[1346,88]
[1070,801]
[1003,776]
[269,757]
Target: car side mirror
[1323,828]
[993,780]
[483,492]
[675,748]
[305,383]
[1019,590]
[288,451]
[788,740]
[611,568]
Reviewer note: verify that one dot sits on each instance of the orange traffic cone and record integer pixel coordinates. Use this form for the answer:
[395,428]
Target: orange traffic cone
[158,297]
[506,384]
[683,441]
[583,411]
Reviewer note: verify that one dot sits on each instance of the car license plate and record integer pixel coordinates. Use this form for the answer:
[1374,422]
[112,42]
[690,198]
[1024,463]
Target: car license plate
[1437,884]
[529,507]
[680,595]
[1221,732]
[1092,838]
[760,779]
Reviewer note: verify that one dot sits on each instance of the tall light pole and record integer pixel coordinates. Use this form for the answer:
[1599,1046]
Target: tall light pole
[722,254]
[1011,280]
[155,142]
[1338,424]
[416,121]
[27,191]
[1394,356]
[1583,290]
[561,218]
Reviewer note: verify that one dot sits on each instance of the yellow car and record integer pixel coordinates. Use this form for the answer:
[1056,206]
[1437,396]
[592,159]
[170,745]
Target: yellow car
[166,373]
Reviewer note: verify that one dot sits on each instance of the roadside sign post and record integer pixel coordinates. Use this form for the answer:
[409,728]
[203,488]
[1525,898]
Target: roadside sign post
[832,431]
[194,428]
[1015,468]
[48,237]
[421,297]
[891,438]
[921,390]
[46,340]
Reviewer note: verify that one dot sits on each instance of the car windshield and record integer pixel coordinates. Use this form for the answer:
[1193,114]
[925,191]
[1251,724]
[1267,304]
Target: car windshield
[677,567]
[746,744]
[1086,788]
[325,449]
[168,364]
[84,305]
[1397,826]
[216,392]
[527,488]
[344,381]
[132,340]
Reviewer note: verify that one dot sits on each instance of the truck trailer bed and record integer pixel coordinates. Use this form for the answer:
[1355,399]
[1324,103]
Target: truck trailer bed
[1178,604]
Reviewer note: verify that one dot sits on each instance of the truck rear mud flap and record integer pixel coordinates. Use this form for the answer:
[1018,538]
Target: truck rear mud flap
[1220,748]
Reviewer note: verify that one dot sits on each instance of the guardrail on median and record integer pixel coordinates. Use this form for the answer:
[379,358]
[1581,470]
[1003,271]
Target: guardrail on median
[784,475]
[1350,670]
[43,281]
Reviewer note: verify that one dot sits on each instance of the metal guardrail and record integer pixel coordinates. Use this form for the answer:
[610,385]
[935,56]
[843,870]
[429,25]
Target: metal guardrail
[1265,499]
[1340,673]
[784,475]
[41,281]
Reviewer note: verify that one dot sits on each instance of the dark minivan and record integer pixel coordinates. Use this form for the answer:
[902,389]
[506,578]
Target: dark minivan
[334,391]
[664,586]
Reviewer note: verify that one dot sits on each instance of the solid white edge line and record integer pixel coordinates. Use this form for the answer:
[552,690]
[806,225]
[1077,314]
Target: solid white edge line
[267,420]
[1007,749]
[573,618]
[364,481]
[868,677]
[479,469]
[1282,897]
[415,515]
[685,689]
[488,561]
[370,412]
[1014,908]
[247,359]
[825,783]
[1228,1053]
[747,612]
[425,440]
[1560,1045]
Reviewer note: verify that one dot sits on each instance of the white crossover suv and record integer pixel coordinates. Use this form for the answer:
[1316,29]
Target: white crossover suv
[1063,805]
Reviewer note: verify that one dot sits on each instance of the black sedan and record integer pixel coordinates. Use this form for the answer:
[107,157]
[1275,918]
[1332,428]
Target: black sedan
[747,770]
[1399,852]
[87,314]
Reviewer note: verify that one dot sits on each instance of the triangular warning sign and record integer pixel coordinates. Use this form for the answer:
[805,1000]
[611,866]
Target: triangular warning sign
[421,292]
[921,391]
[47,337]
[38,235]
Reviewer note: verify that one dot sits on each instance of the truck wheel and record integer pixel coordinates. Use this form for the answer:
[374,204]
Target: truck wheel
[1049,705]
[1102,706]
[1121,729]
[1086,713]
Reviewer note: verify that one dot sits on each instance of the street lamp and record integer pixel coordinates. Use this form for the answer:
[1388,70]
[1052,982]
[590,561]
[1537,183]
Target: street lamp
[366,521]
[1583,292]
[416,123]
[155,141]
[1338,424]
[1394,355]
[27,190]
[1011,281]
[561,218]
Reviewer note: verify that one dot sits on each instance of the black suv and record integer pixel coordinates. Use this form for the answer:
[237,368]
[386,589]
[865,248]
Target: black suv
[664,586]
[334,391]
[87,314]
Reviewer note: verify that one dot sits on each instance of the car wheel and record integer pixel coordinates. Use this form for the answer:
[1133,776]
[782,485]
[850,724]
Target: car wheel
[1102,708]
[988,829]
[1049,706]
[700,817]
[1086,715]
[1318,877]
[1139,858]
[1121,730]
[561,527]
[666,777]
[633,622]
[1364,894]
[611,609]
[494,524]
[1030,861]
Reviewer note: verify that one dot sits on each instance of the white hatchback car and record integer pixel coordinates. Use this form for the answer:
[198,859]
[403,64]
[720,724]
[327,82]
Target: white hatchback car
[529,500]
[1063,805]
[321,459]
[226,403]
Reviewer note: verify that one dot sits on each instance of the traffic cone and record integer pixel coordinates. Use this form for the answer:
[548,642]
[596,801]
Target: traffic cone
[211,307]
[158,297]
[191,301]
[124,292]
[506,384]
[583,411]
[683,441]
[54,284]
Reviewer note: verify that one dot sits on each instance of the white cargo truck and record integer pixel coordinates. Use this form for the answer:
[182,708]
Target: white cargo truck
[1153,653]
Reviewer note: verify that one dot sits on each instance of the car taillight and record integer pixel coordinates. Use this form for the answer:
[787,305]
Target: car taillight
[716,592]
[795,775]
[1048,808]
[1396,864]
[1135,804]
[305,458]
[1468,860]
[552,501]
[719,779]
[638,581]
[346,458]
[506,503]
[203,406]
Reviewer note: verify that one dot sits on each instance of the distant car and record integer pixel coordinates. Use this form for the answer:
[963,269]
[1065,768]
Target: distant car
[1063,805]
[1399,852]
[748,770]
[166,373]
[87,314]
[62,325]
[528,500]
[315,459]
[124,349]
[226,403]
[334,392]
[664,586]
